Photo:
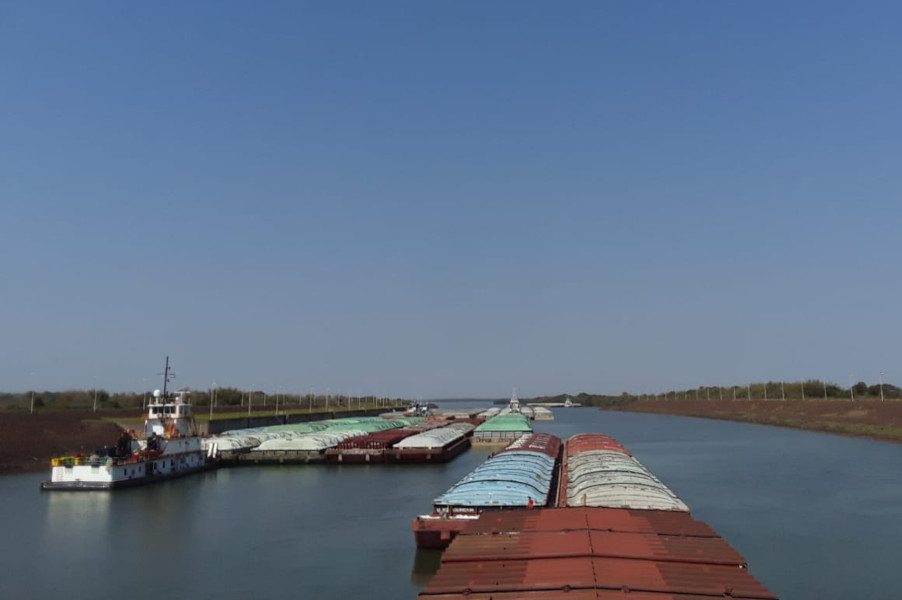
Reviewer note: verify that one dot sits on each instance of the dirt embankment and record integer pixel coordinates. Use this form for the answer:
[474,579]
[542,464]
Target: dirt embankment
[28,442]
[881,420]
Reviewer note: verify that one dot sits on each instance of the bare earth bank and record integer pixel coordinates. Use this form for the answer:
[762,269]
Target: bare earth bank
[28,442]
[874,419]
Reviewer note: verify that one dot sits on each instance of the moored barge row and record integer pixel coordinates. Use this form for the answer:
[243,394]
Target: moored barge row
[233,446]
[518,477]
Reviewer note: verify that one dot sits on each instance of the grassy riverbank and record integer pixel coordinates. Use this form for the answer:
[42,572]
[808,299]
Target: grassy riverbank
[874,419]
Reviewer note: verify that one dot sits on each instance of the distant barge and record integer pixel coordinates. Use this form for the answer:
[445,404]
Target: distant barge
[501,430]
[437,445]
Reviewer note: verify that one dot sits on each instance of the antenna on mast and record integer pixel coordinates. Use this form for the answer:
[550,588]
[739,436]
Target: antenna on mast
[166,377]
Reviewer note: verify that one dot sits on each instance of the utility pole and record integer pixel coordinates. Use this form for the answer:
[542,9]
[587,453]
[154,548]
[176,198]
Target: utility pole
[881,386]
[782,392]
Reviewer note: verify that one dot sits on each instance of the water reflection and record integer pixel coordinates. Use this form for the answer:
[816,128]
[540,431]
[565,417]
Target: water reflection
[425,565]
[76,515]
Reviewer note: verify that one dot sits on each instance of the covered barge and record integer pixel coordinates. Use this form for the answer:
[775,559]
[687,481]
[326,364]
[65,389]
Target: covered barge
[596,470]
[502,430]
[434,446]
[520,476]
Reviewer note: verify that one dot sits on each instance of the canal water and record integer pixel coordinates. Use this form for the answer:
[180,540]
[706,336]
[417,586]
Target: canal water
[818,517]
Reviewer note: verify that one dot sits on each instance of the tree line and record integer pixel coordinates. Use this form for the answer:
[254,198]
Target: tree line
[812,389]
[222,398]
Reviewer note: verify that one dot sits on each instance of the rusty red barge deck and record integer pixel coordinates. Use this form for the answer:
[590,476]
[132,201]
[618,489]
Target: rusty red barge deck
[599,553]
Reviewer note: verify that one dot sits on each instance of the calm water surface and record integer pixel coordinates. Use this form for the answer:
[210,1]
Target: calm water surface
[818,517]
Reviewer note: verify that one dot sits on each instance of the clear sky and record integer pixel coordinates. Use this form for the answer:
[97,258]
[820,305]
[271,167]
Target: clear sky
[446,199]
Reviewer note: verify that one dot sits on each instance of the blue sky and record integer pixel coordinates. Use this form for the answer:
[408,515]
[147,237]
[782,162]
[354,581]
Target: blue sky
[445,199]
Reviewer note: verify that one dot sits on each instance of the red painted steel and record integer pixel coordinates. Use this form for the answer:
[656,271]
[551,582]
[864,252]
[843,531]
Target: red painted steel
[539,595]
[511,576]
[436,534]
[587,442]
[564,574]
[583,442]
[377,440]
[566,595]
[575,544]
[715,580]
[615,554]
[520,546]
[536,442]
[605,519]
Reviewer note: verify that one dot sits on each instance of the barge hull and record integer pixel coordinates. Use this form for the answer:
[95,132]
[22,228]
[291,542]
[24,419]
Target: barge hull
[427,455]
[96,486]
[340,456]
[279,457]
[438,533]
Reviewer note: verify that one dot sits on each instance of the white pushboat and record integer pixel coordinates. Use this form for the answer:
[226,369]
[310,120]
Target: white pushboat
[170,448]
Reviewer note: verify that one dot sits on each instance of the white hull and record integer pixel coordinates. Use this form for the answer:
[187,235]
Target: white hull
[180,457]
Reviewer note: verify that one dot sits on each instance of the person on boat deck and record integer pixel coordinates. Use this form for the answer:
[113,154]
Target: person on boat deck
[124,445]
[153,443]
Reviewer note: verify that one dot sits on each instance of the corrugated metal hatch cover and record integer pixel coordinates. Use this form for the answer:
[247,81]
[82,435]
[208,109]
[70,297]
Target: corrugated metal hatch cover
[570,595]
[606,519]
[586,543]
[582,553]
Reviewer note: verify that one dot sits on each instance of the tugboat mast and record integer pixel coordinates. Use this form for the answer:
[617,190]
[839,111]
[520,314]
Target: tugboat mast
[166,377]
